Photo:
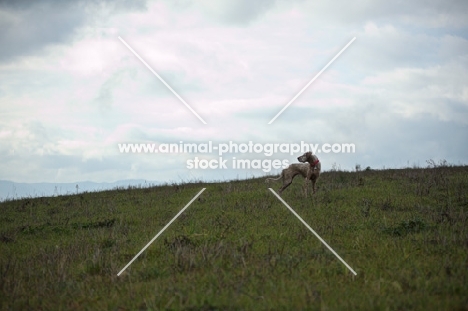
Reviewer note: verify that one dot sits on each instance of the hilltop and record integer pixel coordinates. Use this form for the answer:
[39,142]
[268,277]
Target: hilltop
[237,247]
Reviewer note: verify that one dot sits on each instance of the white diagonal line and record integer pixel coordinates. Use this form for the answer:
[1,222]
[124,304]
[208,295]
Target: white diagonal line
[160,232]
[312,230]
[164,82]
[310,82]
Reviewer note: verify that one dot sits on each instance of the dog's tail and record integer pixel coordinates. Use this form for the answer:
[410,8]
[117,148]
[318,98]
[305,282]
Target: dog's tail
[268,179]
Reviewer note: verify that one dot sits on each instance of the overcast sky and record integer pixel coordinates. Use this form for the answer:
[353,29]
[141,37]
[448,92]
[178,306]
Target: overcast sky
[70,91]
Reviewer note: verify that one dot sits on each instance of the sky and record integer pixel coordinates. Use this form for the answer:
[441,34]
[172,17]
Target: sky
[71,91]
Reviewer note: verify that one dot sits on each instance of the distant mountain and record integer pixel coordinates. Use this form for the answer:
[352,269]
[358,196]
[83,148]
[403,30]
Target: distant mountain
[13,190]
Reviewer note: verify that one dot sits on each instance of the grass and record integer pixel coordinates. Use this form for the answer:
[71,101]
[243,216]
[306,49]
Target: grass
[237,247]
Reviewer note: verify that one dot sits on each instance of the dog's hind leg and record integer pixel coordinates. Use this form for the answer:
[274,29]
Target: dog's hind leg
[287,180]
[305,187]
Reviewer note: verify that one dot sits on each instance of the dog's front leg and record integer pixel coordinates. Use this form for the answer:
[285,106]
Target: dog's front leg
[306,187]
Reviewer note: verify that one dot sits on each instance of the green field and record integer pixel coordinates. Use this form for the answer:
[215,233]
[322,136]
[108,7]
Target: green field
[405,233]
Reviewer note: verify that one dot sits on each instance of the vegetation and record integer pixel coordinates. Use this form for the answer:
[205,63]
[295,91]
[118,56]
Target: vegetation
[237,247]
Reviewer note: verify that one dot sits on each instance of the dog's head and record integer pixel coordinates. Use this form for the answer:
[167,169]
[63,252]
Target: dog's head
[305,157]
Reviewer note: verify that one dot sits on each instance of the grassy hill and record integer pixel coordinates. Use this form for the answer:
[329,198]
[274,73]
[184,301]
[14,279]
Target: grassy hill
[237,247]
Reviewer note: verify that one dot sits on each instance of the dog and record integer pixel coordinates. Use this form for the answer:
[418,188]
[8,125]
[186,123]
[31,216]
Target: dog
[306,170]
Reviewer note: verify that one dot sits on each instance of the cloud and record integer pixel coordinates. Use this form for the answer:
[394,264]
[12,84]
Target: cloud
[105,96]
[240,12]
[423,14]
[398,92]
[27,30]
[30,26]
